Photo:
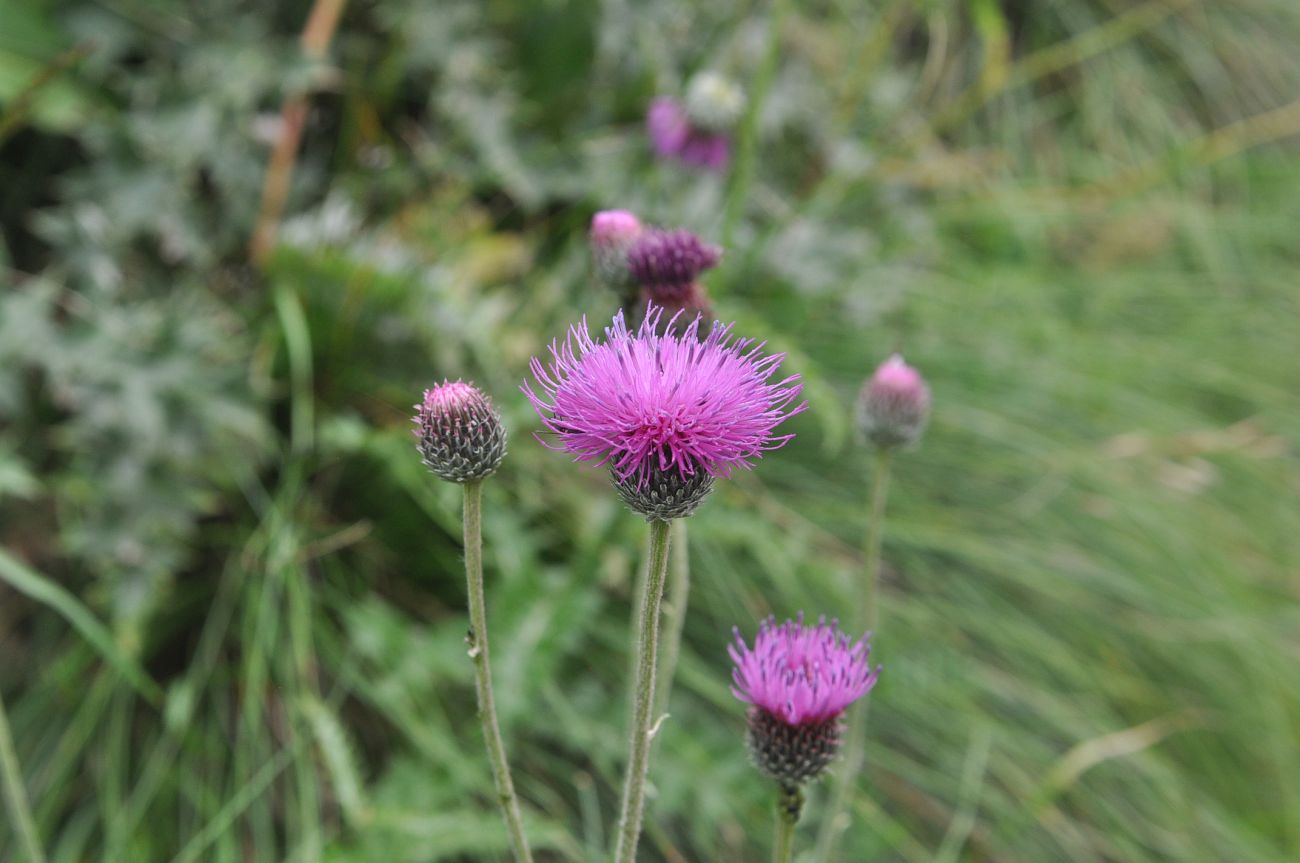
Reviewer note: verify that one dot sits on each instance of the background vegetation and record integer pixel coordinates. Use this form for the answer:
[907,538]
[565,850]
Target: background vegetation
[231,602]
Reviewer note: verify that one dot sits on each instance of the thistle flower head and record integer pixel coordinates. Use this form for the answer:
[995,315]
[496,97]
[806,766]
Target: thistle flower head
[667,262]
[801,674]
[894,404]
[798,679]
[459,433]
[646,403]
[613,233]
[673,136]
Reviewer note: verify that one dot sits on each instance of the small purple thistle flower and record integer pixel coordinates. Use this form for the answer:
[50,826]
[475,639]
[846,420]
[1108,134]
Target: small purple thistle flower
[801,674]
[673,136]
[646,403]
[799,679]
[667,262]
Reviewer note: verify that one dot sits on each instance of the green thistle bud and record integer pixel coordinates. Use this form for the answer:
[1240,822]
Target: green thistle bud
[459,433]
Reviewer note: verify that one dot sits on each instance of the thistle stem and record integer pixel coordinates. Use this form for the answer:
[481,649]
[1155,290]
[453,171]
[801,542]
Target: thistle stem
[19,808]
[855,752]
[746,155]
[875,532]
[629,821]
[679,590]
[478,652]
[788,807]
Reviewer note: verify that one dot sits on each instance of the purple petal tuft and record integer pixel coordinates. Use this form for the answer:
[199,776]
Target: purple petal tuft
[640,401]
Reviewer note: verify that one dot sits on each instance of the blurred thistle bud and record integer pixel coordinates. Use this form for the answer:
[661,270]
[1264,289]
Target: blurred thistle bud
[459,433]
[713,102]
[894,404]
[798,681]
[667,262]
[660,495]
[612,235]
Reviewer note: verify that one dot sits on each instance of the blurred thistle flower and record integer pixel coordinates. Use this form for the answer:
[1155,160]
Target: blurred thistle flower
[674,136]
[714,102]
[798,680]
[459,433]
[660,409]
[613,233]
[894,405]
[667,262]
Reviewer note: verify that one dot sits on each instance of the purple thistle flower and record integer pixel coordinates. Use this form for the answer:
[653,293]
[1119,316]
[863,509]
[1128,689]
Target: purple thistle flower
[667,262]
[798,679]
[646,403]
[801,674]
[673,136]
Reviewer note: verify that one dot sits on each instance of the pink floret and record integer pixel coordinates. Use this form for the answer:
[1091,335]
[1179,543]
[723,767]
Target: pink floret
[801,674]
[896,379]
[450,396]
[614,226]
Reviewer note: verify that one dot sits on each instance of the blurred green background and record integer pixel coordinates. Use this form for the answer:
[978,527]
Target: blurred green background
[231,598]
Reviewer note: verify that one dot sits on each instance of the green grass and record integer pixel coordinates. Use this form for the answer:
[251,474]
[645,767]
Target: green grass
[1090,613]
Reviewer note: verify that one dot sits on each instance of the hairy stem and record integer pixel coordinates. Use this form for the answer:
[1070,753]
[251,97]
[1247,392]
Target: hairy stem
[875,531]
[15,792]
[629,820]
[835,821]
[679,590]
[788,807]
[478,651]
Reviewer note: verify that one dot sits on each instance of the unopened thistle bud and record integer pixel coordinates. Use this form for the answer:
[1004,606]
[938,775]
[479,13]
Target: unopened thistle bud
[894,404]
[666,263]
[612,234]
[798,681]
[459,433]
[713,102]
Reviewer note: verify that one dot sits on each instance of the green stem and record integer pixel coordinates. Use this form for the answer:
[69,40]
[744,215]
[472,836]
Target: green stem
[478,651]
[855,751]
[679,590]
[788,807]
[746,151]
[629,820]
[875,532]
[19,808]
